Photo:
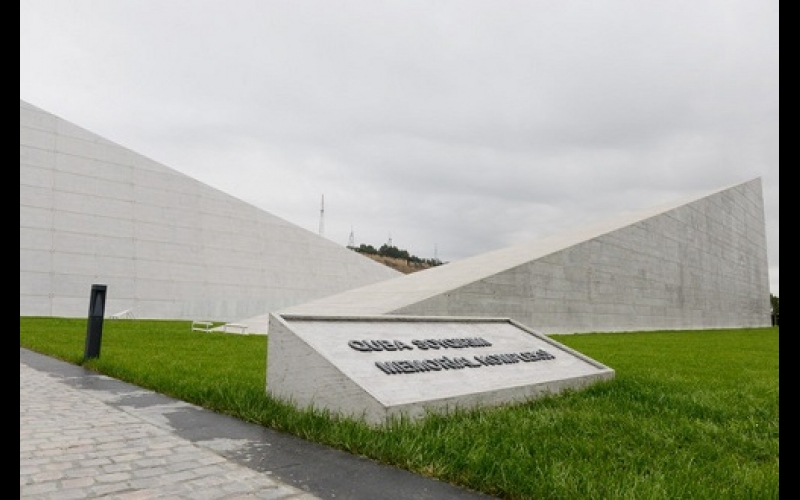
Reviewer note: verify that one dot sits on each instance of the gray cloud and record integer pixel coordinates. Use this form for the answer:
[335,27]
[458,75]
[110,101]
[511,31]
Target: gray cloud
[453,127]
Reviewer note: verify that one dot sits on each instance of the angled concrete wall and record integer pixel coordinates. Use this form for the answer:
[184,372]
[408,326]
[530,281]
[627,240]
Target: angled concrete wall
[165,244]
[695,264]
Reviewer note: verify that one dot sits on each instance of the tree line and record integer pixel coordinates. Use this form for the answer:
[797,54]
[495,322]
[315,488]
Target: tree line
[773,299]
[393,252]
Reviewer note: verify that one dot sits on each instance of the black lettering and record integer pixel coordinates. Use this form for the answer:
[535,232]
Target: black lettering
[447,363]
[481,360]
[359,345]
[388,368]
[406,366]
[389,346]
[544,354]
[375,345]
[468,363]
[420,344]
[420,366]
[402,346]
[509,358]
[481,342]
[433,364]
[493,359]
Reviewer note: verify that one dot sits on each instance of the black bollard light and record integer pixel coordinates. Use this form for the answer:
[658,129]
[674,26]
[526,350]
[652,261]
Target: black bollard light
[94,326]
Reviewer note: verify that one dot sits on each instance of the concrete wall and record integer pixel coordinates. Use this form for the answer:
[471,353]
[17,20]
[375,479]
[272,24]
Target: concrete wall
[166,245]
[694,264]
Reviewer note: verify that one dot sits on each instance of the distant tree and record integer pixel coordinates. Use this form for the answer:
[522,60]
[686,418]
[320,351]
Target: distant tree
[393,252]
[368,249]
[773,299]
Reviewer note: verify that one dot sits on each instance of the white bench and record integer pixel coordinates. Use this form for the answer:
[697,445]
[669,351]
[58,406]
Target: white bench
[236,326]
[126,314]
[202,326]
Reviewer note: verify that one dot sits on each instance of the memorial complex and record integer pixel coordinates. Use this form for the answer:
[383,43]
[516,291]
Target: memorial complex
[170,247]
[347,334]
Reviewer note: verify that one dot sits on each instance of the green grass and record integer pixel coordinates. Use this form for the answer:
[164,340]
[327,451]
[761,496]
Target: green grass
[689,415]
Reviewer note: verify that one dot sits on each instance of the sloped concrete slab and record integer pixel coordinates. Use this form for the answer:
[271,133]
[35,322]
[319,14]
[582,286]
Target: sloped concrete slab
[383,367]
[691,264]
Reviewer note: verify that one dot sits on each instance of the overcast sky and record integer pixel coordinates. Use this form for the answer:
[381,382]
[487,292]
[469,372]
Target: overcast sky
[449,128]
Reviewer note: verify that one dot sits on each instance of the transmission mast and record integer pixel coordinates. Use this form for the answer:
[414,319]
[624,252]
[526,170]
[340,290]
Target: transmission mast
[322,217]
[352,242]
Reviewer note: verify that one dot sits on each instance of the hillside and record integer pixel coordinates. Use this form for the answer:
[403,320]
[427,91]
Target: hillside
[403,265]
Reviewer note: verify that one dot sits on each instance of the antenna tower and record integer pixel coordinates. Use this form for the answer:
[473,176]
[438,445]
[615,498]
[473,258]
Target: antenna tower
[322,217]
[352,242]
[389,243]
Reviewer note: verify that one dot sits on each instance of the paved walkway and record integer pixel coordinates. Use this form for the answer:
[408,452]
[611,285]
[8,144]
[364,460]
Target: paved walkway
[83,435]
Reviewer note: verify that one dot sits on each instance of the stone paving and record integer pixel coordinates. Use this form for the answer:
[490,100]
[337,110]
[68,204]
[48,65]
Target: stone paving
[86,435]
[73,445]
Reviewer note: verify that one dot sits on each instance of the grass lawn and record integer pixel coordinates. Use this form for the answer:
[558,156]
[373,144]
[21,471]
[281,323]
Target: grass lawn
[689,415]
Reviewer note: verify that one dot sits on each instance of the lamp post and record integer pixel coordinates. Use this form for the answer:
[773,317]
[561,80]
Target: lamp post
[94,326]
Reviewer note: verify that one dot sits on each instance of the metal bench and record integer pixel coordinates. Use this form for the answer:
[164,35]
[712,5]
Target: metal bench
[202,326]
[235,326]
[126,314]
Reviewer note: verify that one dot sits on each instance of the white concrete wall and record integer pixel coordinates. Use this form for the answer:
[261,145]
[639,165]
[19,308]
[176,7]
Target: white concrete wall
[166,245]
[700,266]
[694,264]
